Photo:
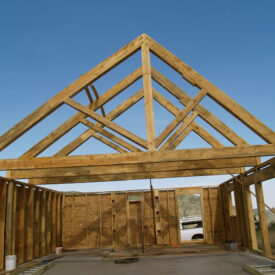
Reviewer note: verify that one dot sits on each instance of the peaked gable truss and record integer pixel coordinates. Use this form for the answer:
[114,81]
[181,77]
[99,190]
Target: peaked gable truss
[137,158]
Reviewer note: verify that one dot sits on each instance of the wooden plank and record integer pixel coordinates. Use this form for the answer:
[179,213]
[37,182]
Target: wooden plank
[112,115]
[182,136]
[100,219]
[37,224]
[220,97]
[128,221]
[113,198]
[53,223]
[253,240]
[263,220]
[197,128]
[97,96]
[58,219]
[116,177]
[148,94]
[131,168]
[48,222]
[14,221]
[205,136]
[187,121]
[30,223]
[86,216]
[109,143]
[115,127]
[203,112]
[108,134]
[89,77]
[74,120]
[180,117]
[3,198]
[43,223]
[139,157]
[89,95]
[21,225]
[9,219]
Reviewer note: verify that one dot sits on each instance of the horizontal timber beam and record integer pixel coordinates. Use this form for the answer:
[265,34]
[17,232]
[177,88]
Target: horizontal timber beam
[132,176]
[132,168]
[139,157]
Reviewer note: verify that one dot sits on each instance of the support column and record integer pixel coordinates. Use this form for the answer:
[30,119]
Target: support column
[262,215]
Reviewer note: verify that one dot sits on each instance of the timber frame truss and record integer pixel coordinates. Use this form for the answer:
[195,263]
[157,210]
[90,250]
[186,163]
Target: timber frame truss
[137,158]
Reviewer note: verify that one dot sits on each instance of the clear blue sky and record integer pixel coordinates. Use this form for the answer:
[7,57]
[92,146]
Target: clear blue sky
[46,45]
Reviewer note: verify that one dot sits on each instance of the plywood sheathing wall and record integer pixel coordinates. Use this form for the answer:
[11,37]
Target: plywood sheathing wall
[30,221]
[115,219]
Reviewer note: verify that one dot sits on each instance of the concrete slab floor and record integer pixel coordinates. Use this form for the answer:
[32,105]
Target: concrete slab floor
[215,264]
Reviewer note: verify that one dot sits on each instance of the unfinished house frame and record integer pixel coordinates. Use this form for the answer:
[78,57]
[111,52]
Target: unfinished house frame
[33,220]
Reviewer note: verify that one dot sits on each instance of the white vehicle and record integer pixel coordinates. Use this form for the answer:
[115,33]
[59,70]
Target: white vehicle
[191,228]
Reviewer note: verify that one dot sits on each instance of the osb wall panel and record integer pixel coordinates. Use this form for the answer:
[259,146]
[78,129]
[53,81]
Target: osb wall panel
[173,223]
[68,217]
[100,220]
[106,210]
[148,220]
[93,220]
[213,216]
[135,223]
[165,219]
[121,219]
[80,222]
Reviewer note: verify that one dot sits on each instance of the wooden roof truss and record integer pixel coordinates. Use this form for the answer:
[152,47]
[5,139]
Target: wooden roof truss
[138,158]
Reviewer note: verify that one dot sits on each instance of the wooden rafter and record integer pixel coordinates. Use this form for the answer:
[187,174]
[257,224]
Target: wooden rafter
[89,77]
[89,95]
[109,143]
[108,134]
[115,127]
[180,117]
[112,115]
[220,97]
[175,111]
[97,97]
[132,162]
[203,113]
[181,137]
[73,121]
[178,132]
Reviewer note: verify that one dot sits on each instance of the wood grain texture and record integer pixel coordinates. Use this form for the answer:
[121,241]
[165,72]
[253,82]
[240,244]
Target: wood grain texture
[219,96]
[87,78]
[139,157]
